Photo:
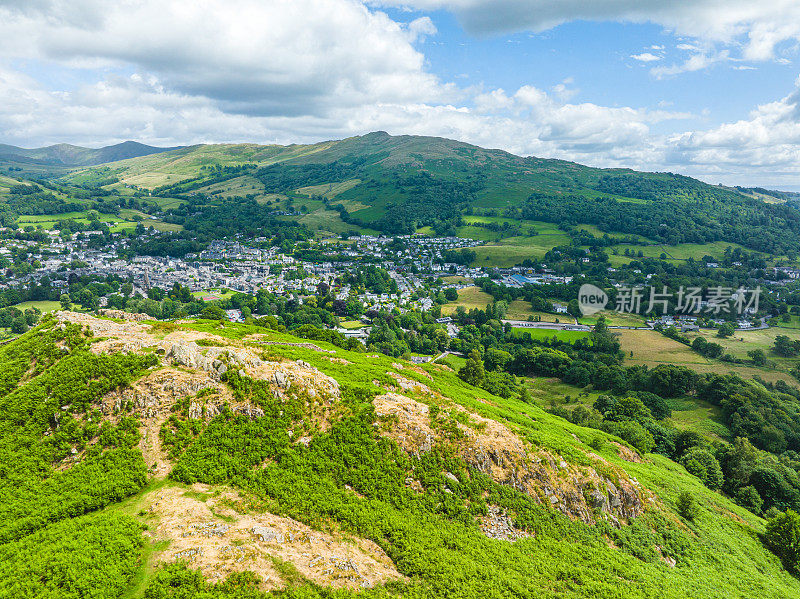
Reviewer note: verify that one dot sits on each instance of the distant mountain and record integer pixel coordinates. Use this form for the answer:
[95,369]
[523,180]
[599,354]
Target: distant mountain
[406,183]
[69,155]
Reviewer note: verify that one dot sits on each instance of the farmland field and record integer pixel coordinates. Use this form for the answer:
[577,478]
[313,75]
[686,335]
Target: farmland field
[651,348]
[515,250]
[615,319]
[521,310]
[469,297]
[568,336]
[43,305]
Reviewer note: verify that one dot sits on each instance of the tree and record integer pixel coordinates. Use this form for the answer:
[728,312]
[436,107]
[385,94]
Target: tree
[783,346]
[19,325]
[574,308]
[213,312]
[88,299]
[782,537]
[126,289]
[758,357]
[687,506]
[496,359]
[749,498]
[703,465]
[473,372]
[66,301]
[726,329]
[451,294]
[627,408]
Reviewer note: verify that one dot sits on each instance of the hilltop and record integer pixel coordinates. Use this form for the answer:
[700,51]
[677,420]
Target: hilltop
[407,184]
[66,155]
[202,458]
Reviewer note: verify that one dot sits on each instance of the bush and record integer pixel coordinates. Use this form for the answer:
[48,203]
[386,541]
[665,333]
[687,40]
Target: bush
[782,537]
[703,465]
[633,433]
[687,506]
[749,498]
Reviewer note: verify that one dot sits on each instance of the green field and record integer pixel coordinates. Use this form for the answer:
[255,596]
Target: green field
[469,298]
[674,253]
[568,336]
[615,319]
[514,250]
[124,221]
[651,348]
[43,306]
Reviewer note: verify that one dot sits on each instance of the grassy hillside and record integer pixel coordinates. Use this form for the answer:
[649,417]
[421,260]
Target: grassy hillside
[69,155]
[402,184]
[308,467]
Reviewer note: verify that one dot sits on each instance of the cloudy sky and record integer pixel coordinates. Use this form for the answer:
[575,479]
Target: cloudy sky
[708,88]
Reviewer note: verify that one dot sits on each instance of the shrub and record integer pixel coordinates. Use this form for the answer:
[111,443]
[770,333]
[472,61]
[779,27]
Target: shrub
[782,537]
[703,465]
[749,498]
[687,506]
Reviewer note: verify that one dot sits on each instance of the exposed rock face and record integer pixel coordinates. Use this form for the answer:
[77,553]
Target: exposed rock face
[189,368]
[246,541]
[497,525]
[218,360]
[152,398]
[121,314]
[180,348]
[493,449]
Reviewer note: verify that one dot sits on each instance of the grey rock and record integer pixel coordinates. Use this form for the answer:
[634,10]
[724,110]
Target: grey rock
[451,477]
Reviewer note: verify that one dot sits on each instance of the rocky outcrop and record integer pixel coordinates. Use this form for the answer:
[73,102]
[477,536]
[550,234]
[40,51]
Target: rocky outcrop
[583,492]
[216,361]
[122,315]
[218,539]
[498,525]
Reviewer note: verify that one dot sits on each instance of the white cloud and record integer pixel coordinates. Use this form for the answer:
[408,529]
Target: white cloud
[284,71]
[645,57]
[763,25]
[696,62]
[251,56]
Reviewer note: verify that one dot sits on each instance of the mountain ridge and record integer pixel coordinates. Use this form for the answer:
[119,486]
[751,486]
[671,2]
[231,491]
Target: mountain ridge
[65,154]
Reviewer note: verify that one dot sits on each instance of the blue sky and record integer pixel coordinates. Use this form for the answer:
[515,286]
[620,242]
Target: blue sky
[597,59]
[683,86]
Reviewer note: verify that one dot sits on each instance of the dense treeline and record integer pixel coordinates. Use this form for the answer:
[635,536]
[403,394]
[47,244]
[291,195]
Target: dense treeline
[229,219]
[771,228]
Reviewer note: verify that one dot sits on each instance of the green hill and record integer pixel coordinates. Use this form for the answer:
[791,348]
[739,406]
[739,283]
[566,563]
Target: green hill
[71,156]
[401,184]
[210,459]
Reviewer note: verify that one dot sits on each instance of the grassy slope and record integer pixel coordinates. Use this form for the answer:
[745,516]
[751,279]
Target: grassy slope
[727,560]
[724,559]
[508,179]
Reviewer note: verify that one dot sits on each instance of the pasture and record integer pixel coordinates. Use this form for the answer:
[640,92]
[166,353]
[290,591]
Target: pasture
[469,297]
[538,334]
[614,319]
[651,348]
[44,306]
